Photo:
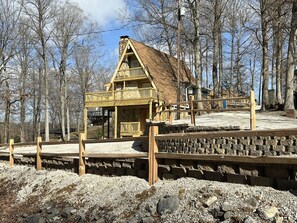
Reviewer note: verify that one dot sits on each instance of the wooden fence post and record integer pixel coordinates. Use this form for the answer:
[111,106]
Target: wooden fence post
[192,110]
[153,148]
[81,163]
[252,111]
[38,153]
[11,149]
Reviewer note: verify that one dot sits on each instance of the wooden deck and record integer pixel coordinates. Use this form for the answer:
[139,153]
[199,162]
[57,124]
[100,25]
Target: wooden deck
[140,96]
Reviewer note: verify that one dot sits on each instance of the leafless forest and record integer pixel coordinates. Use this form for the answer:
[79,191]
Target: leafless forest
[51,54]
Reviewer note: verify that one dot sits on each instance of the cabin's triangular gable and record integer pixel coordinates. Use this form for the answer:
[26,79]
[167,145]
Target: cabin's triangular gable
[162,68]
[124,65]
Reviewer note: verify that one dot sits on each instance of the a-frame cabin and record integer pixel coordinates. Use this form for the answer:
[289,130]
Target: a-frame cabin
[144,78]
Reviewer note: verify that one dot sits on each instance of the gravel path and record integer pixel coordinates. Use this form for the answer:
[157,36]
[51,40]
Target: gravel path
[265,120]
[58,196]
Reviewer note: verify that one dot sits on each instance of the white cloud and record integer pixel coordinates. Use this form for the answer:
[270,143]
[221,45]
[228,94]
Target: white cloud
[102,11]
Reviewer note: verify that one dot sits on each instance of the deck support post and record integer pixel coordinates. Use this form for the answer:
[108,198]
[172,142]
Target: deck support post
[103,120]
[116,122]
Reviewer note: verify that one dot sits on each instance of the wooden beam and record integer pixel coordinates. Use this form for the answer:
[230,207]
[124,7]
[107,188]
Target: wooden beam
[116,155]
[223,99]
[82,163]
[108,124]
[115,122]
[252,111]
[38,153]
[230,158]
[59,154]
[153,149]
[11,149]
[222,109]
[116,140]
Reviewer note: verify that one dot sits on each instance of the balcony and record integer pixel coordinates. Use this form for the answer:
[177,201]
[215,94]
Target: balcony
[137,96]
[130,74]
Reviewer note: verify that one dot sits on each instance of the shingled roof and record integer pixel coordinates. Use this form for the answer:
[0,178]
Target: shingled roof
[162,69]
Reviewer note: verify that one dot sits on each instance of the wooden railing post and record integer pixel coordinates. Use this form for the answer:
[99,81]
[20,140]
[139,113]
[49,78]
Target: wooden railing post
[153,149]
[38,153]
[252,111]
[158,113]
[170,112]
[81,162]
[192,110]
[11,149]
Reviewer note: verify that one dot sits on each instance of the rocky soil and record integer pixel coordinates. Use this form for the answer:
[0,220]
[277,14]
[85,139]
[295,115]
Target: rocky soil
[33,196]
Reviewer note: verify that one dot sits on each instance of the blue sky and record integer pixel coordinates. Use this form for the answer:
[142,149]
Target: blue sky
[104,12]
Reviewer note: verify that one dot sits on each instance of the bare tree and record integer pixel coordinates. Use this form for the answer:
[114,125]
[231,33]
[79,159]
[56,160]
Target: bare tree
[24,59]
[67,25]
[9,15]
[41,13]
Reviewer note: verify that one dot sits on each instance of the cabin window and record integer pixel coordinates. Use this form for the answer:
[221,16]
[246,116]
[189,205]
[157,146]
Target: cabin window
[133,62]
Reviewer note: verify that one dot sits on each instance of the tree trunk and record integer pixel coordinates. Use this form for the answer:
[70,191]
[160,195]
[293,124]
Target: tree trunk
[206,65]
[238,73]
[216,29]
[22,106]
[265,59]
[67,111]
[290,59]
[7,113]
[232,61]
[221,64]
[279,51]
[197,51]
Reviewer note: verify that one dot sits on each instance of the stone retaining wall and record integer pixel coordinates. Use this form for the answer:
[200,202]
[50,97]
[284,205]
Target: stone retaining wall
[104,167]
[239,143]
[245,145]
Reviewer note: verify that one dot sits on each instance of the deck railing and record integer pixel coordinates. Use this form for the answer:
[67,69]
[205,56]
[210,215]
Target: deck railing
[121,95]
[130,73]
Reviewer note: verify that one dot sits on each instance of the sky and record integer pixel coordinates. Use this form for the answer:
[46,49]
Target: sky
[104,12]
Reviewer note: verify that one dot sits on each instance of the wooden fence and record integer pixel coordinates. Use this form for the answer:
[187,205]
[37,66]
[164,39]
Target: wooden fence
[154,155]
[81,154]
[208,105]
